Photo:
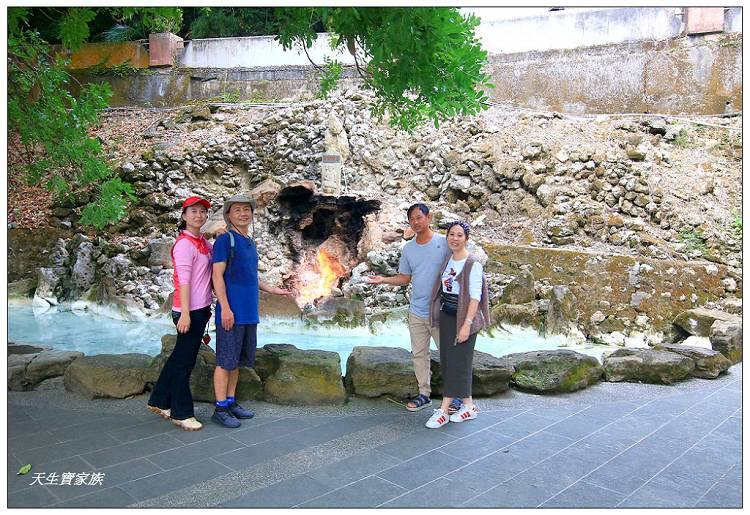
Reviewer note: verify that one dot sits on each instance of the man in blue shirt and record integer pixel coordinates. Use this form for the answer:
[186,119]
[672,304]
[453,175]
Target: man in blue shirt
[236,284]
[421,259]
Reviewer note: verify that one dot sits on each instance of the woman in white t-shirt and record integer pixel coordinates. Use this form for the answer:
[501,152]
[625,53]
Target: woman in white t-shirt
[460,308]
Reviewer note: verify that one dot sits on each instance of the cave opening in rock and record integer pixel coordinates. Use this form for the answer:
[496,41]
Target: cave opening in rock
[324,232]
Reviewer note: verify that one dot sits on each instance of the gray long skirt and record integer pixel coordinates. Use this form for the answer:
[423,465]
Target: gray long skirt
[455,360]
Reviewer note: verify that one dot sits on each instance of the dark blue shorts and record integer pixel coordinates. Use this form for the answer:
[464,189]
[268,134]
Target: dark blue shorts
[237,346]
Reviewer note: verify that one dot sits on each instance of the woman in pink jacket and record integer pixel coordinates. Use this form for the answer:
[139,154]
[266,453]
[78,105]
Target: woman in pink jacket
[191,311]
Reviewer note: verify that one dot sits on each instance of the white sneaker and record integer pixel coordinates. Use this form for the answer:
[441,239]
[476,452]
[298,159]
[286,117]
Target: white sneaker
[465,413]
[189,424]
[438,419]
[163,413]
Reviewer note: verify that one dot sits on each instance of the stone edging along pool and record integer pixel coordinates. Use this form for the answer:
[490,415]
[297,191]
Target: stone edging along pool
[284,374]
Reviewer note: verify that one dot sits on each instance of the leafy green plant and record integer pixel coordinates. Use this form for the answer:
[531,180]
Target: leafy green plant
[53,125]
[422,63]
[125,69]
[329,77]
[693,240]
[737,226]
[682,139]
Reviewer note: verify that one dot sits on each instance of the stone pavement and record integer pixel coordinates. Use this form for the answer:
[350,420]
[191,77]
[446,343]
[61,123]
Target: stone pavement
[612,445]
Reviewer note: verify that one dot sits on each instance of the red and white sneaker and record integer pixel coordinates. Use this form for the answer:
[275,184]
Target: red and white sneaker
[465,413]
[438,419]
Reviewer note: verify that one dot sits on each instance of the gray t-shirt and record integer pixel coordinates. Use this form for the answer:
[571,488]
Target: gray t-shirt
[423,264]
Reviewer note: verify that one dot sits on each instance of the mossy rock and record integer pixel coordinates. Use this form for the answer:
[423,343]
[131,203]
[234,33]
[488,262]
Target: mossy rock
[489,375]
[647,366]
[698,321]
[554,371]
[376,371]
[108,375]
[522,315]
[726,337]
[300,377]
[708,363]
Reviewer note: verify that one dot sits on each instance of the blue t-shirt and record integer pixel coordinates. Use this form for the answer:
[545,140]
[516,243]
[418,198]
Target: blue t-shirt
[240,277]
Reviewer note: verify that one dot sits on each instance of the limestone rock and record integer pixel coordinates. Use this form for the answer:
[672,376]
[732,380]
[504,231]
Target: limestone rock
[161,251]
[23,288]
[562,314]
[554,371]
[339,311]
[278,306]
[708,363]
[17,371]
[698,321]
[300,377]
[376,371]
[48,280]
[520,290]
[25,348]
[84,267]
[726,337]
[47,364]
[490,375]
[108,375]
[522,315]
[646,366]
[265,193]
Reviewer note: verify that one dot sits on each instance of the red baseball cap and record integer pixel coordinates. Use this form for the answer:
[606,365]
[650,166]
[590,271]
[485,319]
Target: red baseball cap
[190,201]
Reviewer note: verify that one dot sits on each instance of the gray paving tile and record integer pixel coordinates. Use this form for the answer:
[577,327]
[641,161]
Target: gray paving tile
[522,425]
[731,427]
[470,427]
[441,493]
[250,456]
[107,498]
[726,493]
[57,451]
[538,446]
[365,493]
[155,426]
[128,451]
[175,479]
[474,481]
[557,412]
[418,443]
[32,497]
[353,468]
[25,442]
[422,469]
[195,452]
[251,433]
[585,495]
[106,422]
[283,494]
[336,428]
[477,445]
[26,428]
[210,430]
[583,423]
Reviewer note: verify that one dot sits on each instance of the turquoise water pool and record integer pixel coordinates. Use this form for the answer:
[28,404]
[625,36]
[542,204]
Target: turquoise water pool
[92,333]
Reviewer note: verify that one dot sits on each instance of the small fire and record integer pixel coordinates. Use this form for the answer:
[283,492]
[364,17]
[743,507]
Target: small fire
[313,283]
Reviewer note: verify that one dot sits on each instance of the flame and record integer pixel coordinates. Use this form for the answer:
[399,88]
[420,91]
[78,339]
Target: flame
[314,284]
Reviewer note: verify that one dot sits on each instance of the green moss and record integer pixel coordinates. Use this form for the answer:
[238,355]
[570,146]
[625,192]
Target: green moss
[574,380]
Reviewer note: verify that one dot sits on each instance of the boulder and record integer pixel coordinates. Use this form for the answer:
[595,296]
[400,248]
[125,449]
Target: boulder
[25,348]
[524,315]
[108,375]
[48,280]
[280,306]
[17,371]
[698,321]
[249,386]
[646,366]
[265,193]
[161,251]
[553,371]
[339,311]
[47,364]
[300,377]
[84,267]
[520,290]
[708,363]
[726,337]
[489,374]
[376,371]
[562,314]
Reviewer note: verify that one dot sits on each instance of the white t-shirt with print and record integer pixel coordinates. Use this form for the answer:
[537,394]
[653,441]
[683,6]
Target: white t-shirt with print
[451,271]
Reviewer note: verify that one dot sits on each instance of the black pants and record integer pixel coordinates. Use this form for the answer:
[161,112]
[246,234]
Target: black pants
[455,360]
[172,390]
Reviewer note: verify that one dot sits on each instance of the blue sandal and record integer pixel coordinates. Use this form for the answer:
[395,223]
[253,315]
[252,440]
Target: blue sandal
[420,402]
[455,405]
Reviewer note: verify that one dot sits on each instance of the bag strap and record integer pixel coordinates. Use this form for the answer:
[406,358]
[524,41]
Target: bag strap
[231,252]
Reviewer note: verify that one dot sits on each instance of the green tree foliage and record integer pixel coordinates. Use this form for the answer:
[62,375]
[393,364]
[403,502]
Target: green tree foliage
[422,63]
[52,125]
[225,22]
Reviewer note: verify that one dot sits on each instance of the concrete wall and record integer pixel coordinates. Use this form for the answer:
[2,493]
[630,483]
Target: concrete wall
[688,75]
[261,51]
[504,31]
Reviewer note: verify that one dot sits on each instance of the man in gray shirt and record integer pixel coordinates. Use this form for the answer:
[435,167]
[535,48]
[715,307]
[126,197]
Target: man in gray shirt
[420,263]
